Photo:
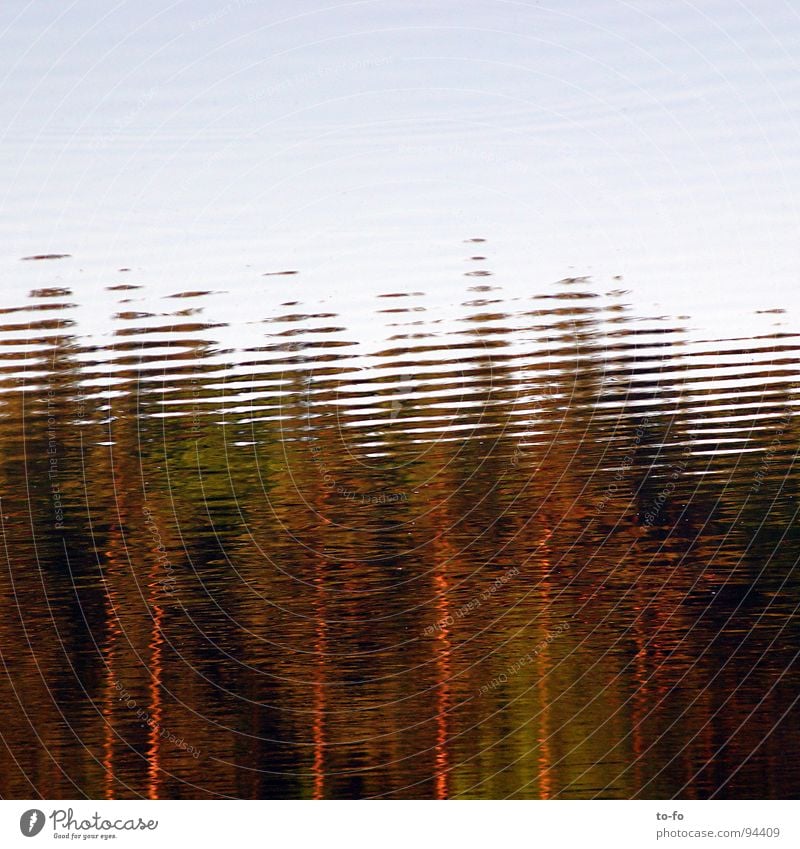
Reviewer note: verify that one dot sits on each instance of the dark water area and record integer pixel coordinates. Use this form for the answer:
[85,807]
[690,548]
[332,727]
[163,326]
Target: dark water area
[541,547]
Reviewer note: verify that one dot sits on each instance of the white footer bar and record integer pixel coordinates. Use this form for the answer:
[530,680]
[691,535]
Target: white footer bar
[396,825]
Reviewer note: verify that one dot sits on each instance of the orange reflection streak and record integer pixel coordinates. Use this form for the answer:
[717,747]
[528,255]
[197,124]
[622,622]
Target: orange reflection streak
[320,650]
[545,758]
[109,652]
[155,708]
[442,552]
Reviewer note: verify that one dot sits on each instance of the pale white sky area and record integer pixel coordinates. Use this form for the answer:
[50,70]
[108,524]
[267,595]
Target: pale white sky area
[202,143]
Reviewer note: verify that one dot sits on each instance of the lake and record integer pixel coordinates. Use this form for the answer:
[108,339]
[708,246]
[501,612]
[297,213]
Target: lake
[399,401]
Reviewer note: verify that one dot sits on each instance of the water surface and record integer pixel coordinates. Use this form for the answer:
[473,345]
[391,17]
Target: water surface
[399,399]
[539,547]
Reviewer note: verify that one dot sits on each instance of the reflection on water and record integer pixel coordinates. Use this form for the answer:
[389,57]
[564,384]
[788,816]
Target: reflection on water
[537,547]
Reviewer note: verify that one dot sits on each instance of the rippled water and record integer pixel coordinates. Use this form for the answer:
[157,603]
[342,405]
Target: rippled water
[537,545]
[399,399]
